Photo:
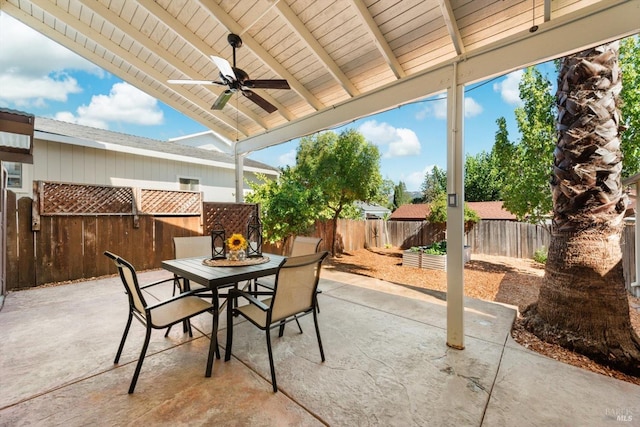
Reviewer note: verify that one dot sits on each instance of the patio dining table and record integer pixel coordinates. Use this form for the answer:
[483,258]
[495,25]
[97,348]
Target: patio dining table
[215,277]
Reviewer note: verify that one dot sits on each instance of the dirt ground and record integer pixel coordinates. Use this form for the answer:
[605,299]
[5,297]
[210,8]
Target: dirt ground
[507,280]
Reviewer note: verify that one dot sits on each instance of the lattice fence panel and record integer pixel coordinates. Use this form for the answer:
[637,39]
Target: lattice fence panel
[77,199]
[163,202]
[234,217]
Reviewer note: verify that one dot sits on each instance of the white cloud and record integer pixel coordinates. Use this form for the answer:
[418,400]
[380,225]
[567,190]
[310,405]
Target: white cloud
[39,67]
[414,180]
[438,109]
[125,104]
[24,91]
[392,142]
[287,159]
[508,88]
[471,107]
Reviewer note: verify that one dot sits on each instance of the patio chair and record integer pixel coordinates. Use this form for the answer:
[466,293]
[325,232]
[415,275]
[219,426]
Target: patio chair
[294,295]
[158,315]
[190,247]
[302,245]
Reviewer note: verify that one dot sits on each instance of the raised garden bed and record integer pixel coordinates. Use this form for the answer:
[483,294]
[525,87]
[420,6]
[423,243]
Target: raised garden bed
[416,257]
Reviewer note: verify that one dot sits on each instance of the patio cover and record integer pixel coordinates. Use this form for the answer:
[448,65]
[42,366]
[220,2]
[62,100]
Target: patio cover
[344,59]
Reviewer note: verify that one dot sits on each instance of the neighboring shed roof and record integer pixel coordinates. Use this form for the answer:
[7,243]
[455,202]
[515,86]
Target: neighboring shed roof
[86,133]
[491,210]
[417,212]
[485,210]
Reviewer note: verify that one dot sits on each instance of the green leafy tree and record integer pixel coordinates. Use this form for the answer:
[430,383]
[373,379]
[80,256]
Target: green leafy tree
[482,178]
[434,184]
[400,195]
[503,149]
[438,211]
[526,165]
[386,194]
[630,97]
[287,206]
[344,168]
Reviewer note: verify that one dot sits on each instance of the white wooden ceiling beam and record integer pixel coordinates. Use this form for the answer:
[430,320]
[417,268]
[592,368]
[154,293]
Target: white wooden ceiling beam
[247,41]
[110,16]
[378,38]
[74,46]
[547,10]
[597,24]
[205,50]
[126,56]
[305,35]
[185,34]
[452,26]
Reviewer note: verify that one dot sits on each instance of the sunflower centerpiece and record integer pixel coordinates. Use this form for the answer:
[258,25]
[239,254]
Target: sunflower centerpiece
[236,245]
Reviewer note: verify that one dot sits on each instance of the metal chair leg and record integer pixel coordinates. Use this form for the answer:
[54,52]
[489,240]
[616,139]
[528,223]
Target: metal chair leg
[124,338]
[273,370]
[134,380]
[315,321]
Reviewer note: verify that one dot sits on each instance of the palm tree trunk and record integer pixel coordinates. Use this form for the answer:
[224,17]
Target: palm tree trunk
[583,304]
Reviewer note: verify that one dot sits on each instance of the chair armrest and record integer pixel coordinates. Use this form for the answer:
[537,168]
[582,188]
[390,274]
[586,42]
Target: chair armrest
[157,283]
[253,300]
[167,301]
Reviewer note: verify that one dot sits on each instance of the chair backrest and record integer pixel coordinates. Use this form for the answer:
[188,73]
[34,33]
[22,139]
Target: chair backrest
[303,245]
[193,246]
[130,281]
[296,285]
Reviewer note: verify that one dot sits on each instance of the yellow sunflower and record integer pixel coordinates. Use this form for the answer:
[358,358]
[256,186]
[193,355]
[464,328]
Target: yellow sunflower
[236,242]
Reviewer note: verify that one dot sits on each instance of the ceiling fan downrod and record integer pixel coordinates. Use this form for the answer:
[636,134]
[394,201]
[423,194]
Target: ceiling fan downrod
[236,42]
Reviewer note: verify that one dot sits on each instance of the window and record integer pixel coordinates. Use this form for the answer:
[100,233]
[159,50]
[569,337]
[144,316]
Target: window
[14,174]
[190,184]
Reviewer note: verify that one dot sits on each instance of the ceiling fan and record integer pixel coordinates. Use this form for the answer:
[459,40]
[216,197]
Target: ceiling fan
[237,80]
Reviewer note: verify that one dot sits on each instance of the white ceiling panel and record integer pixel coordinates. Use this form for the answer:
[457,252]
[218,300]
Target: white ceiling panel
[343,59]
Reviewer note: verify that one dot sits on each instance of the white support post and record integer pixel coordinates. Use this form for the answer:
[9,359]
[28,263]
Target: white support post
[455,214]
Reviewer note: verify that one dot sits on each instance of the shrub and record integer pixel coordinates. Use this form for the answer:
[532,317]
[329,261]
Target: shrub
[437,248]
[541,255]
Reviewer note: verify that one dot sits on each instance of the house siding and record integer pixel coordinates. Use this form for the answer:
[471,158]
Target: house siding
[54,161]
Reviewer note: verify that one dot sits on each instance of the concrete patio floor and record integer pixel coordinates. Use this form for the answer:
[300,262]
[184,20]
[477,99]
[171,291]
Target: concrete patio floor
[386,364]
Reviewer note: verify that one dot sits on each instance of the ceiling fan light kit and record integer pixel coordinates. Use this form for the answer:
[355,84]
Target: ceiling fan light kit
[237,80]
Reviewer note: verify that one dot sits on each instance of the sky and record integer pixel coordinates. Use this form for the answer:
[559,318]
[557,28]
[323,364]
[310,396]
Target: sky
[43,78]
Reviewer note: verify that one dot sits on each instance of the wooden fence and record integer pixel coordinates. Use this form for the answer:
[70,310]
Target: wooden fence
[51,242]
[507,238]
[71,247]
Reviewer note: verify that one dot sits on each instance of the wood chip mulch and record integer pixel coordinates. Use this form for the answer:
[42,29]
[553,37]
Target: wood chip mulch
[492,278]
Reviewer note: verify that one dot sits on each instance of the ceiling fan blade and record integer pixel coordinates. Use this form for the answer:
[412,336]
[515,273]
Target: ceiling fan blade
[195,82]
[259,101]
[266,84]
[222,100]
[224,67]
